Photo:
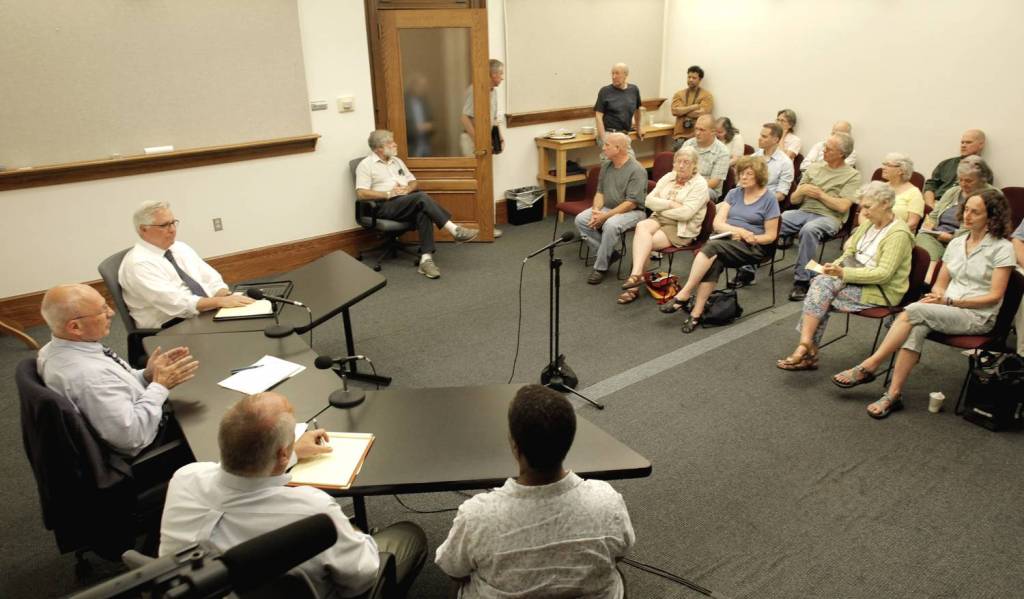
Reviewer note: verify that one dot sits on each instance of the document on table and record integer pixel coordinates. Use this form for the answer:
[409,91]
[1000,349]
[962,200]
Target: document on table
[268,372]
[257,309]
[337,469]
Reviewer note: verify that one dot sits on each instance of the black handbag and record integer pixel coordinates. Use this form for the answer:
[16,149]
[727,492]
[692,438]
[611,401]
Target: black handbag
[995,392]
[721,308]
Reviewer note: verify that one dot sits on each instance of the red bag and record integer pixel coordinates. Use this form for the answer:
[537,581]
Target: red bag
[661,285]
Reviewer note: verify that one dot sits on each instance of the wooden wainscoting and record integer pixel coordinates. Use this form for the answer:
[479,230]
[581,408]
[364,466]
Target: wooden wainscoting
[23,310]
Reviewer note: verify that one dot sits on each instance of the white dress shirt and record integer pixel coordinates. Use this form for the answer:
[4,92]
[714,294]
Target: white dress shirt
[206,503]
[153,291]
[375,174]
[557,540]
[817,154]
[116,400]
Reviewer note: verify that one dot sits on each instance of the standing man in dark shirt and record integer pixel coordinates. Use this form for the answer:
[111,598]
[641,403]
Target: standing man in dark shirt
[618,106]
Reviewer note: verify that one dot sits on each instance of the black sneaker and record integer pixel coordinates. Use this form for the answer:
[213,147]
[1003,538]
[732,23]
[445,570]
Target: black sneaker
[799,292]
[742,279]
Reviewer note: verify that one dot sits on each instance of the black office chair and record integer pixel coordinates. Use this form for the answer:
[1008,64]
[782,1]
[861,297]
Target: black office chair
[89,495]
[388,230]
[108,271]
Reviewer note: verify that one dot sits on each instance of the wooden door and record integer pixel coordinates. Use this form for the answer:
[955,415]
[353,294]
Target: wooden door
[430,61]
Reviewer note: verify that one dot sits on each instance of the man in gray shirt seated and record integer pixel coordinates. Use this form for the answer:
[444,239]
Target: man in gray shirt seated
[546,532]
[618,204]
[123,405]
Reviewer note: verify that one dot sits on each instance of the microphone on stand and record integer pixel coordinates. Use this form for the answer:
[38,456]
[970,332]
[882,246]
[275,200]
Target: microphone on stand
[278,331]
[565,238]
[344,397]
[257,294]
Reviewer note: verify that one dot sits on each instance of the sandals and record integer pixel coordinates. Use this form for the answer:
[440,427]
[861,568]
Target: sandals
[633,281]
[807,361]
[858,375]
[628,296]
[676,305]
[891,404]
[690,324]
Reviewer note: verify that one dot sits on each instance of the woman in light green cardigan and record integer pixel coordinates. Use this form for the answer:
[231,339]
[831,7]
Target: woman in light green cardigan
[874,270]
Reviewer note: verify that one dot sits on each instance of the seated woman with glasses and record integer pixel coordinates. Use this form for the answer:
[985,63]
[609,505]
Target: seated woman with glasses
[678,201]
[965,299]
[873,270]
[909,203]
[750,214]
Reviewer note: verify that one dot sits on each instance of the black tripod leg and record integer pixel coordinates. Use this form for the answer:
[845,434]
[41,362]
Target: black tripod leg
[597,405]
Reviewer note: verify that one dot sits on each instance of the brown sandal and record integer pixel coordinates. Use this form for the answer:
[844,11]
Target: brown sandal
[807,361]
[633,282]
[628,296]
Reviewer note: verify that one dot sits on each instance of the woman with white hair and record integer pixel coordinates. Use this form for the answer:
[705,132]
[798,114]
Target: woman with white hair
[873,270]
[909,204]
[678,201]
[943,223]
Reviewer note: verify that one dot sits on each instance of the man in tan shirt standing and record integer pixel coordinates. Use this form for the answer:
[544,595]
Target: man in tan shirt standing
[688,104]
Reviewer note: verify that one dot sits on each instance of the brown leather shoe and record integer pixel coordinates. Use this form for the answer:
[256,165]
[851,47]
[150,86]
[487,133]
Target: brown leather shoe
[596,277]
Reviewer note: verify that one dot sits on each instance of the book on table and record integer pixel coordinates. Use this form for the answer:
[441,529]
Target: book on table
[262,375]
[337,469]
[258,309]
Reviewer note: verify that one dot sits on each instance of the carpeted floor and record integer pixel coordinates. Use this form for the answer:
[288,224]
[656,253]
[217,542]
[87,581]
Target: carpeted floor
[766,483]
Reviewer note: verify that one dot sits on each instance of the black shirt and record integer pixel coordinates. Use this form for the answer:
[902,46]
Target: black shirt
[618,106]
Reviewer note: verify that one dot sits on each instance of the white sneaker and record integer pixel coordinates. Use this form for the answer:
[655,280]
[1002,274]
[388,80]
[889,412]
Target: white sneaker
[429,269]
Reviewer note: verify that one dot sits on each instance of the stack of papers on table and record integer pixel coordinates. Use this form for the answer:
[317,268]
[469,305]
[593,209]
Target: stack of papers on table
[257,309]
[337,469]
[269,372]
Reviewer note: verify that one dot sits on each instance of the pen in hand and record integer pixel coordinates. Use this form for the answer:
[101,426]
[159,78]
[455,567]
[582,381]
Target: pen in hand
[316,426]
[237,370]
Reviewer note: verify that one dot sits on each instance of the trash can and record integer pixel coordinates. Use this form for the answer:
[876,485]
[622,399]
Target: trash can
[525,204]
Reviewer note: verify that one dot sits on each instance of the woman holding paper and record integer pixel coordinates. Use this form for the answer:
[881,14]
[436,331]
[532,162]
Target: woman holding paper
[873,270]
[747,225]
[678,201]
[964,300]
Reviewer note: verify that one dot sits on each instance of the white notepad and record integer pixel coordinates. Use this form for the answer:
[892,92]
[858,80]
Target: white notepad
[255,380]
[813,266]
[257,308]
[337,469]
[720,235]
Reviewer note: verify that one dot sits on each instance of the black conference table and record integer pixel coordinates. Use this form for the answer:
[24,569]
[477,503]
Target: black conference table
[329,285]
[451,438]
[200,403]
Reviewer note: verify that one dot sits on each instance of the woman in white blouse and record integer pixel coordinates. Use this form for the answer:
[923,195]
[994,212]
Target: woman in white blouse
[790,143]
[964,300]
[731,137]
[678,202]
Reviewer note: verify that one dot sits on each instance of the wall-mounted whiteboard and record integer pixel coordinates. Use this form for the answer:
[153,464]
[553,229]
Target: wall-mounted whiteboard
[560,52]
[87,80]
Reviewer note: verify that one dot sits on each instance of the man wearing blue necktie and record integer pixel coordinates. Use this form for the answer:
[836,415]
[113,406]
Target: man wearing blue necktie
[123,405]
[163,279]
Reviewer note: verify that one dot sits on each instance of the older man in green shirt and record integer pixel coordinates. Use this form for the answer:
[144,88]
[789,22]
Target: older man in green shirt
[972,142]
[825,196]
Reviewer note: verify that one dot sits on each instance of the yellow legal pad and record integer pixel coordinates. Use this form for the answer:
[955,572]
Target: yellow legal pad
[337,469]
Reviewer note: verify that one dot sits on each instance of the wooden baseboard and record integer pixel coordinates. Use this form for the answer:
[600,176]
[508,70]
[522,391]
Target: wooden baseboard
[23,310]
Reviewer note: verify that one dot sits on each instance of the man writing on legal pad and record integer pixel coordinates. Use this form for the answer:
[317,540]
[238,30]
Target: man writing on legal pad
[163,279]
[245,495]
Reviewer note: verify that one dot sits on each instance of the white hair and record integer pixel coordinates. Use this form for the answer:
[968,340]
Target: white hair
[144,213]
[878,191]
[905,164]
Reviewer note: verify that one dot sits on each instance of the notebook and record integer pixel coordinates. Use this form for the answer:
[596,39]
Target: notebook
[337,469]
[269,371]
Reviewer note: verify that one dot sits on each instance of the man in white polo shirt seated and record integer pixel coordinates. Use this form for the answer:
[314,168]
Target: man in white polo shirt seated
[383,176]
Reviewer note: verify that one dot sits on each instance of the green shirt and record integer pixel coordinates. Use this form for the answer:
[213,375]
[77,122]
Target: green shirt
[841,182]
[886,282]
[943,177]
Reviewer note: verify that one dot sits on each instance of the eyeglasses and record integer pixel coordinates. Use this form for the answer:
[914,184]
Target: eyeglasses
[107,310]
[167,225]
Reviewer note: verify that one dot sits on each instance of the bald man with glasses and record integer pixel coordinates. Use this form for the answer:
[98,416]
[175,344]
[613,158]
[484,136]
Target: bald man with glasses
[124,405]
[163,279]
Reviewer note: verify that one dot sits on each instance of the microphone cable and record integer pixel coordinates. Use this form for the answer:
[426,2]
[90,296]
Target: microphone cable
[519,323]
[671,577]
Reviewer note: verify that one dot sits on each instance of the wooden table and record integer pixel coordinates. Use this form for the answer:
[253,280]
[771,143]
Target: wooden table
[558,149]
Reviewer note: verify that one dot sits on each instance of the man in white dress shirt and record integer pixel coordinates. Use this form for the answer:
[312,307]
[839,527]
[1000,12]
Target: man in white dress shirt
[547,532]
[163,279]
[246,495]
[123,405]
[817,153]
[382,176]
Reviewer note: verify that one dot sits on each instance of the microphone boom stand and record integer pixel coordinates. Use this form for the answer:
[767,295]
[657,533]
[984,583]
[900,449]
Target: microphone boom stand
[557,375]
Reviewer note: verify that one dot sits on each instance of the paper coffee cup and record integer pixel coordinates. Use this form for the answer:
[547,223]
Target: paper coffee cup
[935,400]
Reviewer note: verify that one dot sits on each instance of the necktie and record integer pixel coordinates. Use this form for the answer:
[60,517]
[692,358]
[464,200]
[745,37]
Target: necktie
[191,283]
[113,356]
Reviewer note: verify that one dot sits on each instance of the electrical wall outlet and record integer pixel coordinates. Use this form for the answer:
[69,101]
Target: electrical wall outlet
[346,103]
[218,225]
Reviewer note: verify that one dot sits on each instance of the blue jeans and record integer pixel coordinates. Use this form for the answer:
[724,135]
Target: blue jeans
[602,241]
[813,229]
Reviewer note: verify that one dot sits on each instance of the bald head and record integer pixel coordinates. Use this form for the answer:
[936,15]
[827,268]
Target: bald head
[842,127]
[256,435]
[972,142]
[76,312]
